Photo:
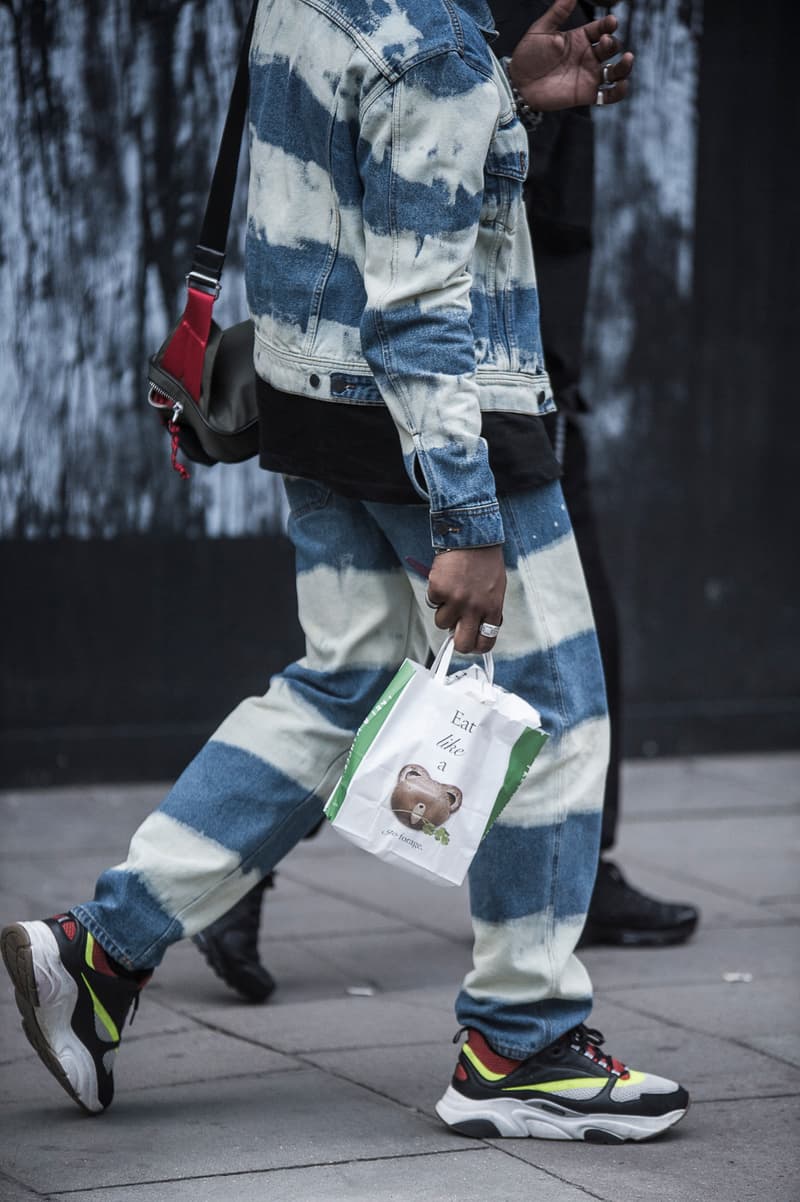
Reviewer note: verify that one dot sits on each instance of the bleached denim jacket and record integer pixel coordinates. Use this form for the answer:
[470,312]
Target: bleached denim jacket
[388,256]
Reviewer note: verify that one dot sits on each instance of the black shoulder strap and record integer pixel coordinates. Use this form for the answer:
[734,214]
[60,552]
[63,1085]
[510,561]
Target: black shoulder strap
[209,254]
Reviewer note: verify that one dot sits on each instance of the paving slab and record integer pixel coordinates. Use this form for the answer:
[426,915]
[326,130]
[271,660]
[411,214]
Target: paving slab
[416,1075]
[774,773]
[721,1152]
[301,974]
[783,1047]
[292,911]
[246,1125]
[741,855]
[53,882]
[471,1175]
[197,1056]
[398,962]
[151,1021]
[740,1011]
[12,1191]
[683,788]
[362,878]
[322,1095]
[101,819]
[667,881]
[336,1023]
[773,954]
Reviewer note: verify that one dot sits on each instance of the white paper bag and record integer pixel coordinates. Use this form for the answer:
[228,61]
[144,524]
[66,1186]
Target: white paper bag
[433,764]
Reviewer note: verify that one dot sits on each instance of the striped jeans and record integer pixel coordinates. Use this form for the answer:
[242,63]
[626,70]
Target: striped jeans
[260,783]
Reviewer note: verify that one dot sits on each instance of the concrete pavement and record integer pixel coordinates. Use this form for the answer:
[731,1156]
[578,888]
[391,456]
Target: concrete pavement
[327,1092]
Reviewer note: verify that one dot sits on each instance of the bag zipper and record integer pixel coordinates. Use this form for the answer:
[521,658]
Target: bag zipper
[173,424]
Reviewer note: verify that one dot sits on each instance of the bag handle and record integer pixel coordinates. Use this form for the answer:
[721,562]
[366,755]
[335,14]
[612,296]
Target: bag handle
[441,663]
[209,254]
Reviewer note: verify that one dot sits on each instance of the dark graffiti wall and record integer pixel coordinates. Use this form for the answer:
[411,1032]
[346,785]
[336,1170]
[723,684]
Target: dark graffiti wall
[136,608]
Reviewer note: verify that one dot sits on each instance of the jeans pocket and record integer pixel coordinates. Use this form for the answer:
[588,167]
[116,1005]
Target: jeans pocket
[305,496]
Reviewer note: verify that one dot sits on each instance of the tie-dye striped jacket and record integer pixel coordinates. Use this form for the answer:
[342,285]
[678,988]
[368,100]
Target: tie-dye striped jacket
[388,258]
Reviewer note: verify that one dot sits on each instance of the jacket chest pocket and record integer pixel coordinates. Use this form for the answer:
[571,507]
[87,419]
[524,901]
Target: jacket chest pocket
[504,175]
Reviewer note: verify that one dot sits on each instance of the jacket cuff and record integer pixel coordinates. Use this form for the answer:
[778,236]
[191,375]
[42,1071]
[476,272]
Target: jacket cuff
[462,529]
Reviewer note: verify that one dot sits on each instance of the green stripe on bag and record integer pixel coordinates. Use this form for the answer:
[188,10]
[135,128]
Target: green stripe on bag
[367,733]
[523,753]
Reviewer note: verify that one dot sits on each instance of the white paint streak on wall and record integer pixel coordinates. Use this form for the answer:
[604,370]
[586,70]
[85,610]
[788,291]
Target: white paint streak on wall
[99,206]
[100,199]
[644,218]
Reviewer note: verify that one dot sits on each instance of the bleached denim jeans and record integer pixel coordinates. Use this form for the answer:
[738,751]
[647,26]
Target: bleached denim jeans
[261,781]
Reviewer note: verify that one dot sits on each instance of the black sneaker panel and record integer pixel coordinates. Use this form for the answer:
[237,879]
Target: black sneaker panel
[114,994]
[540,1070]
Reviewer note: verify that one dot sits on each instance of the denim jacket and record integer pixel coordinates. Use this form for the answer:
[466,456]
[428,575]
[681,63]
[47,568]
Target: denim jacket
[388,257]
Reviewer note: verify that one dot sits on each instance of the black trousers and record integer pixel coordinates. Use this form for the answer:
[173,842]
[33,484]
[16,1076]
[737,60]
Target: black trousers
[571,444]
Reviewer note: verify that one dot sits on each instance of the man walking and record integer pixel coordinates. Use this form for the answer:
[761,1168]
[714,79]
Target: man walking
[391,283]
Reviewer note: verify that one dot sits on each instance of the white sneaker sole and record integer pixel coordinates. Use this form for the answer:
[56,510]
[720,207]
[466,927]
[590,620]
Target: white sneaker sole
[513,1119]
[46,997]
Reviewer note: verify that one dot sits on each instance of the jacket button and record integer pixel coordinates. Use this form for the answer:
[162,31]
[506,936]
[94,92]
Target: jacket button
[540,397]
[338,385]
[314,381]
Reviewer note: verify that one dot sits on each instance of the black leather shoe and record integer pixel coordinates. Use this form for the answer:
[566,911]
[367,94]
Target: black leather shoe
[621,915]
[230,945]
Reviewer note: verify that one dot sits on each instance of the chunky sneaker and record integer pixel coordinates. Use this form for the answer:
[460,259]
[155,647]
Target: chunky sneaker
[230,946]
[73,1004]
[621,915]
[568,1091]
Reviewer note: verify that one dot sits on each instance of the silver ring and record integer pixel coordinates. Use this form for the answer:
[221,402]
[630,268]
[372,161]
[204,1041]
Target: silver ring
[431,604]
[488,630]
[600,98]
[606,81]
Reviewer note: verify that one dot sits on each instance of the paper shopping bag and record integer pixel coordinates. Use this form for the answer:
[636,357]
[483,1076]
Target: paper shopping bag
[432,766]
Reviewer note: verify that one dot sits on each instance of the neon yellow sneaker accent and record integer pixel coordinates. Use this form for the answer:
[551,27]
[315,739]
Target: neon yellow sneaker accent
[101,1012]
[87,955]
[485,1072]
[634,1077]
[558,1086]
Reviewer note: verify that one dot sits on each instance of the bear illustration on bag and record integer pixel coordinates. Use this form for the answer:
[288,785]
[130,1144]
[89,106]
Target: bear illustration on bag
[423,803]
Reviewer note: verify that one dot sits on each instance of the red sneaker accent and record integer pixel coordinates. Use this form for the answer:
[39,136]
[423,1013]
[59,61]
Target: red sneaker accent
[68,925]
[597,1057]
[493,1061]
[460,1073]
[100,961]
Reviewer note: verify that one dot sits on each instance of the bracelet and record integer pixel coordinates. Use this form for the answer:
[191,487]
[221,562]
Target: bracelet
[529,117]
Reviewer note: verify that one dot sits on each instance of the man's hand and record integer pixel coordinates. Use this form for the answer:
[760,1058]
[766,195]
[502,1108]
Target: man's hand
[468,588]
[553,70]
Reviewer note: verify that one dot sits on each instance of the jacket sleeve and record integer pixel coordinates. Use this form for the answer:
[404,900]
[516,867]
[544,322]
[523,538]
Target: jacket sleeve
[422,146]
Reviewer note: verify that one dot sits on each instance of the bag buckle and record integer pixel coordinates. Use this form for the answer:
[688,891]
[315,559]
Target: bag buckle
[204,283]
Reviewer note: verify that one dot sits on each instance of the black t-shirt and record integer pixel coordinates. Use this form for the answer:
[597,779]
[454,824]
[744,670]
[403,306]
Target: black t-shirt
[355,449]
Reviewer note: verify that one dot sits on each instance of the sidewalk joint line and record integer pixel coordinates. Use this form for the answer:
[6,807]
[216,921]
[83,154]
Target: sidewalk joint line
[278,1168]
[736,1042]
[500,1146]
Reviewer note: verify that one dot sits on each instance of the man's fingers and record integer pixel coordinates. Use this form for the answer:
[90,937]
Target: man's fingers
[595,30]
[622,69]
[606,48]
[446,617]
[469,637]
[465,635]
[613,94]
[614,72]
[556,15]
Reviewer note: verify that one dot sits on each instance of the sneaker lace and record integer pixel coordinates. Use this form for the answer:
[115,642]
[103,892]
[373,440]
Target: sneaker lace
[588,1042]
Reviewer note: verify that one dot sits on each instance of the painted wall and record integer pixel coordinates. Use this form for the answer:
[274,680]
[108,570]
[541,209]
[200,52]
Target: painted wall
[136,608]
